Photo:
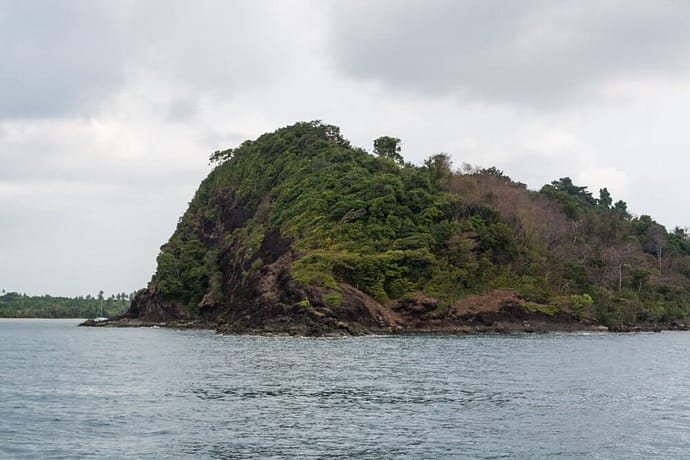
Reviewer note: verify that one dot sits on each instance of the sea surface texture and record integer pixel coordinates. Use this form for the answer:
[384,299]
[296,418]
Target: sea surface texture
[69,392]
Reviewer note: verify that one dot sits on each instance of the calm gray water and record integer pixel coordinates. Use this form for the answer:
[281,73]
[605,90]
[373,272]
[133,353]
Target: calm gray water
[69,392]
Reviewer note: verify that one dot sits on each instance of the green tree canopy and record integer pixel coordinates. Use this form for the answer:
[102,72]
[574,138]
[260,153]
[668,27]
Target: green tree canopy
[388,147]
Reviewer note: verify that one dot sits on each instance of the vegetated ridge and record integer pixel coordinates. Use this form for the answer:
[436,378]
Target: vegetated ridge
[299,232]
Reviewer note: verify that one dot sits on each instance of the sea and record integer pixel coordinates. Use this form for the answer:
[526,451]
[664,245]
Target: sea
[75,392]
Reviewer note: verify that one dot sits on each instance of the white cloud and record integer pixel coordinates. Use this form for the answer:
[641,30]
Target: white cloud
[9,191]
[616,181]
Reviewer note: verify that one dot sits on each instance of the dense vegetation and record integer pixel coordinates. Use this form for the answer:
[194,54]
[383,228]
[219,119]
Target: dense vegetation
[393,229]
[15,305]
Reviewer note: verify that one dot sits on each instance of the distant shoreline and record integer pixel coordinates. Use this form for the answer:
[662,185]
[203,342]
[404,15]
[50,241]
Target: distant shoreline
[24,318]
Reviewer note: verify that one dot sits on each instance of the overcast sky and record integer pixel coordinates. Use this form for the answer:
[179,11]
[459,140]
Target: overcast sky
[110,109]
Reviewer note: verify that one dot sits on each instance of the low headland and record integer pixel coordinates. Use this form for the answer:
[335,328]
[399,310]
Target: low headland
[300,233]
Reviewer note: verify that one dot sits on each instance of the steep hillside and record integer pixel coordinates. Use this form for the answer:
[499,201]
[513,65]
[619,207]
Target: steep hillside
[299,232]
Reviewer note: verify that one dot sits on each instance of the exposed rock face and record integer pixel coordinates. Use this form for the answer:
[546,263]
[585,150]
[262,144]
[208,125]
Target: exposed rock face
[272,302]
[277,305]
[149,306]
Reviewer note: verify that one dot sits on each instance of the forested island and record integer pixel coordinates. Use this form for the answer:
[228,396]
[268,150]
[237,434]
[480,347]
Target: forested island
[16,305]
[299,232]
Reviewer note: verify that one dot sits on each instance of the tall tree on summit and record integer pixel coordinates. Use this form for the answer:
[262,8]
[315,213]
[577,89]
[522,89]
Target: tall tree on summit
[388,147]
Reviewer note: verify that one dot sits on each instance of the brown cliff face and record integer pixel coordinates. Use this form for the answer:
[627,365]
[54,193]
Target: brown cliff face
[276,305]
[149,306]
[271,301]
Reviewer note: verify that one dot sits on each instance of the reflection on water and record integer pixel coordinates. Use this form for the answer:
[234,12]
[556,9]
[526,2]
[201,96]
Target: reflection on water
[154,393]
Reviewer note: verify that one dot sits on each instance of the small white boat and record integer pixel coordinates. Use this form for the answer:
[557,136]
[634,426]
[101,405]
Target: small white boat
[100,318]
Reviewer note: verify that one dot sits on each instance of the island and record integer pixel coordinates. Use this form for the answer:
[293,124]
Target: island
[300,233]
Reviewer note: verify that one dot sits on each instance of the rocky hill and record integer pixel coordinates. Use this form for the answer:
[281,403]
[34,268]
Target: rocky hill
[299,232]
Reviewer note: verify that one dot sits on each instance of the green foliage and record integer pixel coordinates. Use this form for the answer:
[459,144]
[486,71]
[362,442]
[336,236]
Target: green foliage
[574,199]
[439,169]
[580,301]
[621,208]
[220,155]
[388,147]
[604,200]
[534,289]
[333,298]
[304,304]
[580,304]
[549,310]
[494,171]
[315,270]
[14,305]
[652,235]
[679,241]
[182,271]
[384,275]
[450,283]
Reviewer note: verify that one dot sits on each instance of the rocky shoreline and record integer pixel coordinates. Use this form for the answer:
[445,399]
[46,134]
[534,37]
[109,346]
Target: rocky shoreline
[129,322]
[344,330]
[498,313]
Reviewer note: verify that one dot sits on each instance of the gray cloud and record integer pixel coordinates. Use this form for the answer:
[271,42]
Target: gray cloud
[182,109]
[70,57]
[77,239]
[211,46]
[536,53]
[57,57]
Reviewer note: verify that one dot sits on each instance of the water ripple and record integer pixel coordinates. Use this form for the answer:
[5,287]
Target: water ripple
[69,392]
